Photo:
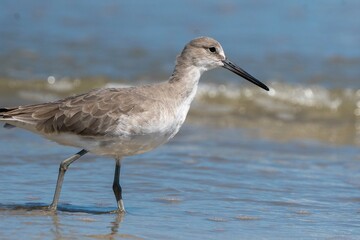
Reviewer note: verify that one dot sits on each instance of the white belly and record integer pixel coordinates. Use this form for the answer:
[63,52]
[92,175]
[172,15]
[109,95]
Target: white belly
[115,146]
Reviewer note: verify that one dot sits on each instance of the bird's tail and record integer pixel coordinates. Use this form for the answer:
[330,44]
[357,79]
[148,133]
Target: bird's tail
[3,116]
[2,110]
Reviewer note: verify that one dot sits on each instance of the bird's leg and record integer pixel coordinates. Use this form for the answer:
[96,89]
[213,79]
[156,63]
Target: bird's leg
[62,169]
[117,188]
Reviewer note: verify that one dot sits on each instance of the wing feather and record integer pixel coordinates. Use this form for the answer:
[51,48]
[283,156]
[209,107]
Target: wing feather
[95,113]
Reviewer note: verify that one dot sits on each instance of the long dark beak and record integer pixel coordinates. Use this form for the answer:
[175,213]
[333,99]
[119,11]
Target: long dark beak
[237,70]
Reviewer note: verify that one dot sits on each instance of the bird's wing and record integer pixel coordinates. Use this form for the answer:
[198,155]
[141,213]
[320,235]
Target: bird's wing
[95,113]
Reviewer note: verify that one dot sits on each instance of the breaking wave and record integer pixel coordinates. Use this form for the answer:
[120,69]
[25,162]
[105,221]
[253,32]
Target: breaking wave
[286,112]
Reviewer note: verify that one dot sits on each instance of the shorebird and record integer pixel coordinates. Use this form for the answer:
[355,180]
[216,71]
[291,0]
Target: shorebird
[121,122]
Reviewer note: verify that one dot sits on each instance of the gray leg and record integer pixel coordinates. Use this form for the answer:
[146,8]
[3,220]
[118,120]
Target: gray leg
[62,169]
[117,188]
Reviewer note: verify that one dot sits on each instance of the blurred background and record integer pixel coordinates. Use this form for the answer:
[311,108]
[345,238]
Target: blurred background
[308,52]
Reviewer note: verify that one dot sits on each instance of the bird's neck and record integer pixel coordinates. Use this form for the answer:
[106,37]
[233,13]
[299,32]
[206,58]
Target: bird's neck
[185,79]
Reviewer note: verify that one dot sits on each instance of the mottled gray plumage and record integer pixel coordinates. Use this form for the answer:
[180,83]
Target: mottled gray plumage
[119,122]
[91,114]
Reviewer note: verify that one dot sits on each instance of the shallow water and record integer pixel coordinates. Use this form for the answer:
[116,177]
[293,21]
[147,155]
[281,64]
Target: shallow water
[246,165]
[206,183]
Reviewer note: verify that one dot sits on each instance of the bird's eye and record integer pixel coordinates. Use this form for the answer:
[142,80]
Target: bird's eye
[212,49]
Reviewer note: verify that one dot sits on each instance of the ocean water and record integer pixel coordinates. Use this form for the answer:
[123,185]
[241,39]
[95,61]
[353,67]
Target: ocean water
[247,164]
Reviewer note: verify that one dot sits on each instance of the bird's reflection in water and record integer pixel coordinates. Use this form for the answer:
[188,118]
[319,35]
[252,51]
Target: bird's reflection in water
[40,209]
